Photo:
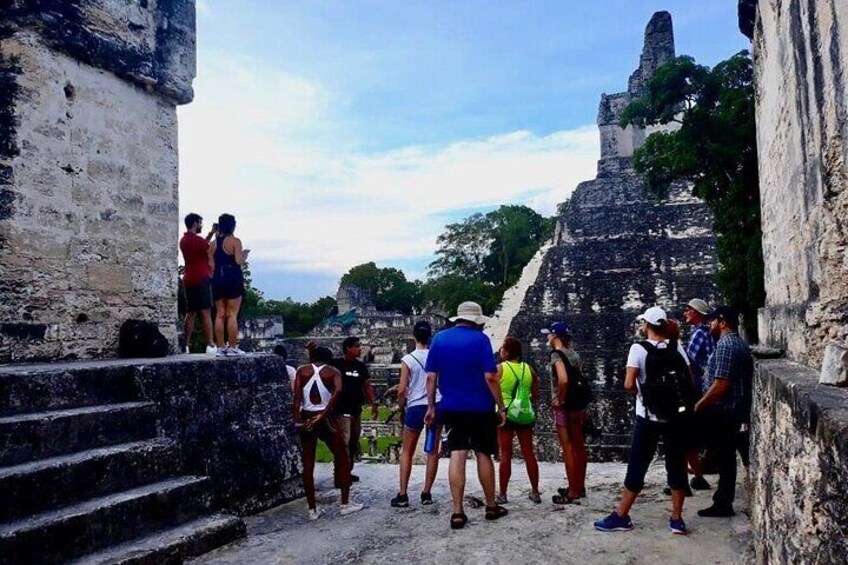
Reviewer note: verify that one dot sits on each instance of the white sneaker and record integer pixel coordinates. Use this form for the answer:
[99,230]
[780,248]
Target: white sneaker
[222,352]
[211,350]
[315,513]
[236,352]
[350,508]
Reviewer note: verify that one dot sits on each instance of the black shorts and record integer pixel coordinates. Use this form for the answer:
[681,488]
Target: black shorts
[325,430]
[229,290]
[472,430]
[198,298]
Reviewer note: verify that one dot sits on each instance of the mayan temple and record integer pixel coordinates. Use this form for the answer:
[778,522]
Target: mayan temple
[616,251]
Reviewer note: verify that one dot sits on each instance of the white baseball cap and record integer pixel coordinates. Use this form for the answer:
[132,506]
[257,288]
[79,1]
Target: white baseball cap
[653,315]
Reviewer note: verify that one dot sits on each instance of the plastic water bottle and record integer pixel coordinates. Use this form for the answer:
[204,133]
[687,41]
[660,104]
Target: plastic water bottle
[430,440]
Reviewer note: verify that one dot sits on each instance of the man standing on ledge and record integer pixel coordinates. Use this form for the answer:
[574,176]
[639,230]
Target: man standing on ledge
[726,404]
[462,365]
[356,388]
[196,280]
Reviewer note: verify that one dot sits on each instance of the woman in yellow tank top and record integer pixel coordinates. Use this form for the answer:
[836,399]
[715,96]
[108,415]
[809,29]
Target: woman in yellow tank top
[515,375]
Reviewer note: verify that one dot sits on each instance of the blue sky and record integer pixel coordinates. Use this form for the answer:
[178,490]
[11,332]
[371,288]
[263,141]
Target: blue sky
[343,132]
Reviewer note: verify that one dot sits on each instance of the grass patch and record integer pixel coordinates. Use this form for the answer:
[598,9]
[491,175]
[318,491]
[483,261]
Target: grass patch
[324,455]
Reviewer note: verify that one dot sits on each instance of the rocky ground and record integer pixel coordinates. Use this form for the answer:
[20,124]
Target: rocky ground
[529,534]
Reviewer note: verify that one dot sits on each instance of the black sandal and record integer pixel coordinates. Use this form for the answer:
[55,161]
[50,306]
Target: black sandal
[458,520]
[495,512]
[562,499]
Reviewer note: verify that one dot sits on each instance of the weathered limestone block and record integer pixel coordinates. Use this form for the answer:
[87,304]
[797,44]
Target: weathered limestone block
[801,59]
[799,466]
[835,366]
[89,170]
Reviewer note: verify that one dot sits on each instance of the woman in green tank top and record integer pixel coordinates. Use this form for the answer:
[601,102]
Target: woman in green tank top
[520,390]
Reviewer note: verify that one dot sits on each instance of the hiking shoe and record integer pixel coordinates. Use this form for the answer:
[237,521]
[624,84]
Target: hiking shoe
[211,350]
[501,499]
[350,508]
[315,513]
[535,497]
[699,483]
[614,523]
[426,499]
[677,527]
[717,511]
[400,501]
[667,491]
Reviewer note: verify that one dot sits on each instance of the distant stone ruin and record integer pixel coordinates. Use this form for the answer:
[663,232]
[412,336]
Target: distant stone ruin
[88,170]
[386,336]
[616,251]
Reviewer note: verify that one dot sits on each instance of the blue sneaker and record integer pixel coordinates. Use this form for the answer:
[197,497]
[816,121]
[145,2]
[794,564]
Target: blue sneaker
[677,527]
[614,523]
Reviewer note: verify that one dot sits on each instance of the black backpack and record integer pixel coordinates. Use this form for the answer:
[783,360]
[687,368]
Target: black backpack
[667,388]
[579,390]
[138,338]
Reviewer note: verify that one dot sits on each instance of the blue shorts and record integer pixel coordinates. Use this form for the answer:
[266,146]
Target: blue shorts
[414,419]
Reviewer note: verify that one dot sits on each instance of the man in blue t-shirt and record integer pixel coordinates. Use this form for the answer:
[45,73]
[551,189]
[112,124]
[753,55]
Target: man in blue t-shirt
[462,365]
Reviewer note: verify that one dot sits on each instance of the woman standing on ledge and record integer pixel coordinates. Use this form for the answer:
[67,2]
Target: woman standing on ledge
[227,257]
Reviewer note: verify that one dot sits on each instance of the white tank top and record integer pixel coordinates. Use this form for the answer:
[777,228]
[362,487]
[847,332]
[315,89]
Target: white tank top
[323,391]
[416,361]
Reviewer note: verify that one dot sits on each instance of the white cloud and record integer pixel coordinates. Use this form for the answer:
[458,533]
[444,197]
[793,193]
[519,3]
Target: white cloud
[262,145]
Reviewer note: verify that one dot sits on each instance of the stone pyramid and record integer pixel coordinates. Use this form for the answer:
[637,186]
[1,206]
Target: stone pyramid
[616,251]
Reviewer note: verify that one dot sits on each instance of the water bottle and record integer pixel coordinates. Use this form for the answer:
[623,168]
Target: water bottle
[430,440]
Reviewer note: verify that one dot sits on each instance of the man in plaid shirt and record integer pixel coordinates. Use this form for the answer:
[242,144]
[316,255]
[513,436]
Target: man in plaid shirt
[701,344]
[726,403]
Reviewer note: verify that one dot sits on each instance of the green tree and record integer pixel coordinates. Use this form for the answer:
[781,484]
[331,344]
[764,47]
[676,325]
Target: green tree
[479,257]
[713,148]
[387,286]
[299,317]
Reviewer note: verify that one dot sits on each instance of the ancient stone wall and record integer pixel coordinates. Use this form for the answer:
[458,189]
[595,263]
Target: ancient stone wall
[616,251]
[799,466]
[799,440]
[801,59]
[88,170]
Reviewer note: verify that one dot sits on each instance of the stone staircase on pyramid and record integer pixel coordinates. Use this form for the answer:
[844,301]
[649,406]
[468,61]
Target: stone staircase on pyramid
[84,476]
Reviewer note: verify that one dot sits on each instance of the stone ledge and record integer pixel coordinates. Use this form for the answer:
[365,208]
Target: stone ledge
[819,410]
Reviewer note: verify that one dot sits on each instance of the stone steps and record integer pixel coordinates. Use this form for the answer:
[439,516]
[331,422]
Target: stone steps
[55,389]
[171,546]
[84,475]
[88,526]
[29,437]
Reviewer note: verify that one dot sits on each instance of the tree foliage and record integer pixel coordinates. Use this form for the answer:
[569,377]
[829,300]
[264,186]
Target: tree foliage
[387,286]
[714,148]
[479,257]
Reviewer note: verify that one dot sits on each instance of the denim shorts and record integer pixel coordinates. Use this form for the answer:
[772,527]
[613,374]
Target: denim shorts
[414,419]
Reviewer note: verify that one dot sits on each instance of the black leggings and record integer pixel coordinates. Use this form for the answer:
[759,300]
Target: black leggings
[646,435]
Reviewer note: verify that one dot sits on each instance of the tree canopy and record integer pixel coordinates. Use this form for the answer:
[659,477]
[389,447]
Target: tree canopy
[479,257]
[714,147]
[387,286]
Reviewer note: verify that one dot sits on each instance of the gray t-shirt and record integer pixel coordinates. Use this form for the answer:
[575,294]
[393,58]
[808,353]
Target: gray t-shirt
[572,356]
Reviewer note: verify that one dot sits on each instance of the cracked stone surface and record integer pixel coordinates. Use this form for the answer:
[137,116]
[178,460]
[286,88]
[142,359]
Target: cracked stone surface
[529,534]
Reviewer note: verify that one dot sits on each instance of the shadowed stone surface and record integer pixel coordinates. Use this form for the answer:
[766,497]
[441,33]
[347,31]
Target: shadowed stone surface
[799,459]
[140,480]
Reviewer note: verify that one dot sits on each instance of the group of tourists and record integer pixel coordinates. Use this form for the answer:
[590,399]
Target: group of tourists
[213,273]
[693,398]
